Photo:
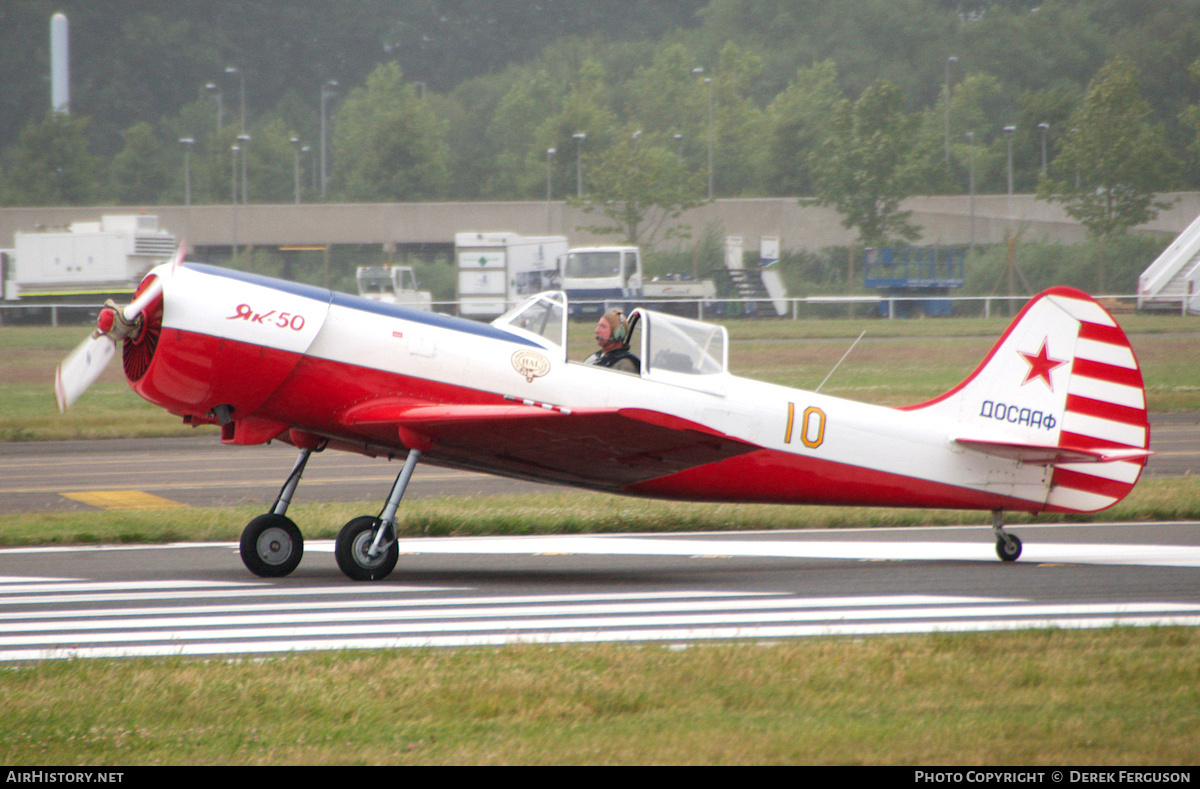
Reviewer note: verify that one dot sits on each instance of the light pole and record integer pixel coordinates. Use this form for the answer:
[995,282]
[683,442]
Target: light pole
[549,185]
[234,149]
[1009,131]
[949,60]
[579,138]
[679,157]
[1045,127]
[242,77]
[326,92]
[971,188]
[244,139]
[296,147]
[708,81]
[212,87]
[187,143]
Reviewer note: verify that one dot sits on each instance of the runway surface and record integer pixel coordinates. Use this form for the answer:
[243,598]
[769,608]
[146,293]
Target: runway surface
[201,472]
[198,600]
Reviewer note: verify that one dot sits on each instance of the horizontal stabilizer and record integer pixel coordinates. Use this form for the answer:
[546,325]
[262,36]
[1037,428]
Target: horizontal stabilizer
[1044,454]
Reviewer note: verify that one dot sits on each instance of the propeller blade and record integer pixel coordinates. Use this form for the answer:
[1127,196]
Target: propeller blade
[81,368]
[86,363]
[152,292]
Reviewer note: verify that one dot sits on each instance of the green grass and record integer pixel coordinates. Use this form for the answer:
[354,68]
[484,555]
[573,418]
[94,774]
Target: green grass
[570,512]
[1105,697]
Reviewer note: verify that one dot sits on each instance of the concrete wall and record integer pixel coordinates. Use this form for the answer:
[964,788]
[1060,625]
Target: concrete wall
[949,220]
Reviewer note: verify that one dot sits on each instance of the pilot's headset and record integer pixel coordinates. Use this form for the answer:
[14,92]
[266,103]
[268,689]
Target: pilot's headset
[620,329]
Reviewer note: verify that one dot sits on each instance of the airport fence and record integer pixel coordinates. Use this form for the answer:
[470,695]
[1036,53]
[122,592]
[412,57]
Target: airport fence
[796,308]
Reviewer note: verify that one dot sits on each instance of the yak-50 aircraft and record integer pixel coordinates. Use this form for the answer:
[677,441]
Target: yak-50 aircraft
[1052,420]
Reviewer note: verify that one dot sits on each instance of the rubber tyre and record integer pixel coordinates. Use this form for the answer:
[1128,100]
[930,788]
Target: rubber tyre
[1006,552]
[272,546]
[350,550]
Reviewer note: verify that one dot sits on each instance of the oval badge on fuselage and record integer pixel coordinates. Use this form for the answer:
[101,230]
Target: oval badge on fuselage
[530,364]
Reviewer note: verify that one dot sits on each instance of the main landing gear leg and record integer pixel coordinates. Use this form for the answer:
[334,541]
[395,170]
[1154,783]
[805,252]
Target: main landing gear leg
[1008,546]
[366,547]
[272,545]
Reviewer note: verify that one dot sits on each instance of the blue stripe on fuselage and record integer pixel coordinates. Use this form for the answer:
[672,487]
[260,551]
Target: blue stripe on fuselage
[365,305]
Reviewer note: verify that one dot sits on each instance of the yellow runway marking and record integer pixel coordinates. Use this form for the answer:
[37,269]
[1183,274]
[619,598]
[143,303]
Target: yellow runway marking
[121,499]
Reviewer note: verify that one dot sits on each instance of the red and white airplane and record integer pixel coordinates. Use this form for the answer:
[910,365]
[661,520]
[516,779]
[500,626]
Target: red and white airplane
[1053,419]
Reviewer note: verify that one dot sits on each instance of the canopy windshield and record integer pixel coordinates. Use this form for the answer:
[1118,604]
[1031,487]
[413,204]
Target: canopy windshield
[543,316]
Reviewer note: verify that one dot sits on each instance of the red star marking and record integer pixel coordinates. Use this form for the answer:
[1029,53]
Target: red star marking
[1040,366]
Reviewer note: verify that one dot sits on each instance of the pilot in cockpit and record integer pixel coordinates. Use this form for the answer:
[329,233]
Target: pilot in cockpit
[612,335]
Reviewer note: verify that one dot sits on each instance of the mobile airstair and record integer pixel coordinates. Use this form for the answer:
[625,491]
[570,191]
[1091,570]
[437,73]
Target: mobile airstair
[1172,281]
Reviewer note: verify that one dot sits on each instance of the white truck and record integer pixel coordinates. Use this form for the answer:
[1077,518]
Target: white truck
[393,285]
[88,261]
[596,278]
[497,270]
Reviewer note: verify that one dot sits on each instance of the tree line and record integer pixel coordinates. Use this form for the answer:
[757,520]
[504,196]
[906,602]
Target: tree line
[634,109]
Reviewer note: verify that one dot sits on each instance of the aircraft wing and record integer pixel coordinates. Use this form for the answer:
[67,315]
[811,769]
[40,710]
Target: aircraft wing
[605,449]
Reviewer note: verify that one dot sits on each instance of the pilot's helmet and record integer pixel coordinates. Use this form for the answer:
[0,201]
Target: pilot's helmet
[618,329]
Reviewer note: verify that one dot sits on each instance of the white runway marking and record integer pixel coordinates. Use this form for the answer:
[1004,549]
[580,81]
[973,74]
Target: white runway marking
[46,617]
[41,622]
[468,621]
[981,551]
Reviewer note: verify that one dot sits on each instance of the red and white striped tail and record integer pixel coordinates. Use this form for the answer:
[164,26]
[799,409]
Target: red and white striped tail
[1105,410]
[1061,389]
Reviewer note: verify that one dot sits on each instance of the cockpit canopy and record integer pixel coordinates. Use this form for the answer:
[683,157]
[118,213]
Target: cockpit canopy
[542,318]
[672,349]
[682,346]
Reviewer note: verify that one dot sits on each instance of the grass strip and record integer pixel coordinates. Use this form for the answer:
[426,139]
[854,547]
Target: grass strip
[1113,697]
[566,512]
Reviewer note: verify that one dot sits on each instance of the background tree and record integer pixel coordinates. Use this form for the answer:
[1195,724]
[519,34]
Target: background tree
[50,164]
[798,123]
[506,78]
[1113,160]
[862,168]
[1189,119]
[139,173]
[517,164]
[387,143]
[641,189]
[586,110]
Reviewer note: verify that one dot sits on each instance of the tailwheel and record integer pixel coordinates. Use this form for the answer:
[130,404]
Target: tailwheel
[272,546]
[353,550]
[1008,546]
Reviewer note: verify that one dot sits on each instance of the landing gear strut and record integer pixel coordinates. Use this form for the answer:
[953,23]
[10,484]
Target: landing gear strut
[366,547]
[1008,546]
[272,545]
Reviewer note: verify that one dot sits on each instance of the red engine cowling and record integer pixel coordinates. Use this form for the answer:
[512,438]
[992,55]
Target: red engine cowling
[194,374]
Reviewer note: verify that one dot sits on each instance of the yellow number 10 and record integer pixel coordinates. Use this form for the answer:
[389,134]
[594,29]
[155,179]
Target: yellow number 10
[812,426]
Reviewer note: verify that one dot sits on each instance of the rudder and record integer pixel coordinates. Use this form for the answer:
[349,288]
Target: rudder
[1061,388]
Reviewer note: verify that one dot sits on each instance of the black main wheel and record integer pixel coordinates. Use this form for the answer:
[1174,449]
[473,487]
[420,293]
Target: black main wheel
[1008,549]
[272,546]
[353,543]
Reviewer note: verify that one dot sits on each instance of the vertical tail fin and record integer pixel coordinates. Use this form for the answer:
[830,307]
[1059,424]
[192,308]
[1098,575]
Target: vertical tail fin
[1062,388]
